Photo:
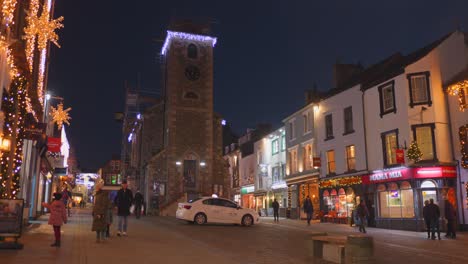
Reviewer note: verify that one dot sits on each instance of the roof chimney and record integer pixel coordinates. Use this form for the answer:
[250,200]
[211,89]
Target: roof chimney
[342,73]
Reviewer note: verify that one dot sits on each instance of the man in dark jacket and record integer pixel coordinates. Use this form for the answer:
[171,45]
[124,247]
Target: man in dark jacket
[308,209]
[138,203]
[276,210]
[123,201]
[450,215]
[427,220]
[433,213]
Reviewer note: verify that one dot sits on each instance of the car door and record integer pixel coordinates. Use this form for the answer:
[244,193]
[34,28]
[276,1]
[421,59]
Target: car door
[230,213]
[212,210]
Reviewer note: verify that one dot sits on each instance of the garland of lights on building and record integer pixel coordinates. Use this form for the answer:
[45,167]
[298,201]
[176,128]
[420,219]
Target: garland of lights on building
[348,181]
[463,145]
[14,103]
[458,89]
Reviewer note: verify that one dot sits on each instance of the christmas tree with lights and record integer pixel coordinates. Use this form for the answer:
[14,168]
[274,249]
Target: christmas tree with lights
[414,153]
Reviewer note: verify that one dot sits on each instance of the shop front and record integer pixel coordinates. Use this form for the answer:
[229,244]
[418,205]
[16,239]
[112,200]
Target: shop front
[298,190]
[399,194]
[339,197]
[279,191]
[247,197]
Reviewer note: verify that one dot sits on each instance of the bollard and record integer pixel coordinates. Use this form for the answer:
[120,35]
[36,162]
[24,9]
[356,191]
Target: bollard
[359,249]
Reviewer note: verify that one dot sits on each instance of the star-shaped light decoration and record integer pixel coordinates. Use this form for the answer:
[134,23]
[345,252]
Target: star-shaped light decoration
[42,27]
[60,116]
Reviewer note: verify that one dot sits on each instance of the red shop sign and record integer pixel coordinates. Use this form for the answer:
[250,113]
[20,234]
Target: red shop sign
[387,175]
[400,156]
[53,144]
[435,172]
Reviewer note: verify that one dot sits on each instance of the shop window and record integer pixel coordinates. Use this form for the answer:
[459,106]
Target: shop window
[396,202]
[424,136]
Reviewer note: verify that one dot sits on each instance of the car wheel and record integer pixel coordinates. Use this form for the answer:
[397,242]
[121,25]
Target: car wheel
[200,219]
[247,220]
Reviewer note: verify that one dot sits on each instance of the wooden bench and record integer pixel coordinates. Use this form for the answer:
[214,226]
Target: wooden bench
[329,248]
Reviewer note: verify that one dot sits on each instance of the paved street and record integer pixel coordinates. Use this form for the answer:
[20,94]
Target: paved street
[165,240]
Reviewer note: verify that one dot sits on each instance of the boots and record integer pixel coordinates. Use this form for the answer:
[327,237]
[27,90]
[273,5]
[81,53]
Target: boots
[56,244]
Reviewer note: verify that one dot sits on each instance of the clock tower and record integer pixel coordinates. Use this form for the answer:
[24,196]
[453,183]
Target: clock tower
[190,138]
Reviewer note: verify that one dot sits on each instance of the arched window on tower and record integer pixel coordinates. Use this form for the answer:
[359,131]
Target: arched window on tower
[192,51]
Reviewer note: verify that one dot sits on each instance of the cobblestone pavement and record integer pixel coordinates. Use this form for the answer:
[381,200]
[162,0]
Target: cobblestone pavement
[166,240]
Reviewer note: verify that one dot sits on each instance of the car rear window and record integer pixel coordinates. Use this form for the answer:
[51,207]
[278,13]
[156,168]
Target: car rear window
[194,200]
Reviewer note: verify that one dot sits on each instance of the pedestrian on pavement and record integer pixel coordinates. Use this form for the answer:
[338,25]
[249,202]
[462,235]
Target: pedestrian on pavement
[123,201]
[58,216]
[427,219]
[308,209]
[138,203]
[434,215]
[451,216]
[66,196]
[362,214]
[109,217]
[100,209]
[276,210]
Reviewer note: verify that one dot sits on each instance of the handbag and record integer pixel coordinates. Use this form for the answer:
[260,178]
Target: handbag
[132,209]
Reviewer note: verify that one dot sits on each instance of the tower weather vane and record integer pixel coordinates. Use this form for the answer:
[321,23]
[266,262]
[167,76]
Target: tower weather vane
[60,115]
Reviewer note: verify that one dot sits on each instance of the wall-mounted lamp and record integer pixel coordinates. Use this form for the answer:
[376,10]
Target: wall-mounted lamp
[5,144]
[178,163]
[202,164]
[316,108]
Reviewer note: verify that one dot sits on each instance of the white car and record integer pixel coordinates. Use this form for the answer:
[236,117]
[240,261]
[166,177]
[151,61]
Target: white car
[216,210]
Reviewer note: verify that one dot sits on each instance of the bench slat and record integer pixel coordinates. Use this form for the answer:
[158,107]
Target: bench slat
[330,239]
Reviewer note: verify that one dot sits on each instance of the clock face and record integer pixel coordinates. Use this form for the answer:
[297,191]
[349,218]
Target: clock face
[192,72]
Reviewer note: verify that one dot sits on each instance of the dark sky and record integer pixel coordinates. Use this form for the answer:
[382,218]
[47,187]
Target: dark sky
[268,53]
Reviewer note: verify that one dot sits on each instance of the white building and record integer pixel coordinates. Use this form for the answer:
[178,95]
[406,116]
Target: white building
[405,102]
[341,147]
[270,172]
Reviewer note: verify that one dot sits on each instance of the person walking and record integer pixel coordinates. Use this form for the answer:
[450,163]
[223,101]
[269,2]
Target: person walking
[100,208]
[276,210]
[362,214]
[66,197]
[58,217]
[451,216]
[308,209]
[433,213]
[427,219]
[123,201]
[109,216]
[138,203]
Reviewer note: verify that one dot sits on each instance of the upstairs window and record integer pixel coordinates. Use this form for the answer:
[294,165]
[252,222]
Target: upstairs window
[348,120]
[328,127]
[387,98]
[390,145]
[291,131]
[192,51]
[424,136]
[306,126]
[351,157]
[419,89]
[283,143]
[275,147]
[331,162]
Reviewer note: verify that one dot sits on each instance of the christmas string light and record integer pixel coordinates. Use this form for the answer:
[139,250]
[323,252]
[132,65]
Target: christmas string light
[31,32]
[8,11]
[347,181]
[186,36]
[458,89]
[463,145]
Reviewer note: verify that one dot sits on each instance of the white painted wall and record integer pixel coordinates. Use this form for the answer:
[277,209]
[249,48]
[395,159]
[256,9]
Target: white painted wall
[335,105]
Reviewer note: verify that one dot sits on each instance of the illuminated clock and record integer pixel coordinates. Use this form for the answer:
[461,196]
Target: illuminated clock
[192,72]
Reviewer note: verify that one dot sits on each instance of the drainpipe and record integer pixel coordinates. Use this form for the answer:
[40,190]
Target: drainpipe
[462,209]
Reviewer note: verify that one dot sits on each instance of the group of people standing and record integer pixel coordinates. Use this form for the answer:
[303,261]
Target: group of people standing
[431,215]
[103,206]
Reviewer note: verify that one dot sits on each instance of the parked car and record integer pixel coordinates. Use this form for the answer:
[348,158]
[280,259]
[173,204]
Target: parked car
[216,210]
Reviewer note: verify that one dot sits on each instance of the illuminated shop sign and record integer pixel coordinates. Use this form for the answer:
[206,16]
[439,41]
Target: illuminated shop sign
[249,189]
[404,173]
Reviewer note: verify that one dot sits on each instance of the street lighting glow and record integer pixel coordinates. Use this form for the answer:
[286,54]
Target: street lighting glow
[203,164]
[47,96]
[178,163]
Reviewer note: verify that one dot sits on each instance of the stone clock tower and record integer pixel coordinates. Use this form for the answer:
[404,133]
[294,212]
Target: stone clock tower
[190,125]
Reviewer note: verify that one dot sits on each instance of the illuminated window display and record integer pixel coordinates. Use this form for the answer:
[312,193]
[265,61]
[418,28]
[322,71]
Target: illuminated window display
[396,202]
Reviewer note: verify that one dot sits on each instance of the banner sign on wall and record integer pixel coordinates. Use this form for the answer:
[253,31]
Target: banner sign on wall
[400,156]
[54,144]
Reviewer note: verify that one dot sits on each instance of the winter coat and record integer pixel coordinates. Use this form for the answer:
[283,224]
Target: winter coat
[433,212]
[362,211]
[426,214]
[100,210]
[275,206]
[58,213]
[123,201]
[450,213]
[138,199]
[308,207]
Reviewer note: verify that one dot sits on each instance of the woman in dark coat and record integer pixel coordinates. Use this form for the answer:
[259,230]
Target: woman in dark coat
[100,212]
[427,219]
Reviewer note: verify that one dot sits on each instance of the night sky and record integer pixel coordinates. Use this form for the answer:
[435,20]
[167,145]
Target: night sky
[268,53]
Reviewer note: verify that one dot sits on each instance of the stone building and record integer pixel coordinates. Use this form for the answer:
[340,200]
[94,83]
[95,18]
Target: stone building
[189,163]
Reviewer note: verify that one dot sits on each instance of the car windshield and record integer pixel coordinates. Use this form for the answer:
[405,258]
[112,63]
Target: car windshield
[194,200]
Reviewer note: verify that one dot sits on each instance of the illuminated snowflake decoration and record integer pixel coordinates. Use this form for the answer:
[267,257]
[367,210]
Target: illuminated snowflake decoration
[60,116]
[41,27]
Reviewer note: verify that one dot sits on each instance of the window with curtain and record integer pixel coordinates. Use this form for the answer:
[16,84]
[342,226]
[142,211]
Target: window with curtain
[424,138]
[419,89]
[351,157]
[331,161]
[390,145]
